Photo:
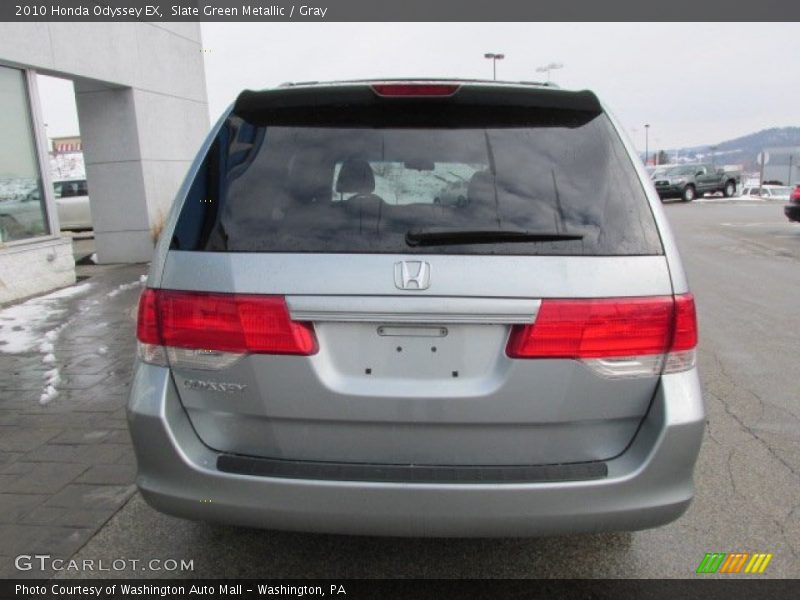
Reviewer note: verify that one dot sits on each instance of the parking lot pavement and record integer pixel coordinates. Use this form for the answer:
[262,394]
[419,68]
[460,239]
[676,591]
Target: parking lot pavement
[742,261]
[66,464]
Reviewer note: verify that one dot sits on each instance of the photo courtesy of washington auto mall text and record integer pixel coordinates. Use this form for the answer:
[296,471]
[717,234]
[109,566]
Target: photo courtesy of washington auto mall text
[154,590]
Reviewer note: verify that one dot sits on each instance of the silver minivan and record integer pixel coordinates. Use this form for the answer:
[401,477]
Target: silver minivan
[325,347]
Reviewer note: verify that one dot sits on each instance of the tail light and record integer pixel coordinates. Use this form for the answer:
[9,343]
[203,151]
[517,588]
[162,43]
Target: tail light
[795,195]
[415,89]
[207,330]
[618,337]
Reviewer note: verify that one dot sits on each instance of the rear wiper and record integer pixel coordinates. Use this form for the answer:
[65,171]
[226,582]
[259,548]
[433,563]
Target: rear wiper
[444,237]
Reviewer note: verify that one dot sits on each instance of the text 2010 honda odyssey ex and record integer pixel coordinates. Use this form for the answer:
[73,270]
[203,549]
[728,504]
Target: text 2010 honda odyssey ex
[417,308]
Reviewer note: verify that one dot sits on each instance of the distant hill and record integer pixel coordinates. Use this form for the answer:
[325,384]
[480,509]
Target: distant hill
[742,150]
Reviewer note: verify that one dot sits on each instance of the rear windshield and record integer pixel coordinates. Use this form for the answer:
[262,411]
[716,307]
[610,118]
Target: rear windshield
[563,186]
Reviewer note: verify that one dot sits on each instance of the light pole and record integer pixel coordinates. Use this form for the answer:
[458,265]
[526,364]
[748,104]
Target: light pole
[494,58]
[646,143]
[547,68]
[713,156]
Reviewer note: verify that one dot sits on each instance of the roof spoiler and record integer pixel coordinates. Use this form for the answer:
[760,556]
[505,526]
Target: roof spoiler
[355,104]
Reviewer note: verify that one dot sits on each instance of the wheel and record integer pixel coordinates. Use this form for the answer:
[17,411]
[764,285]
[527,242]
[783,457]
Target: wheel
[730,189]
[688,193]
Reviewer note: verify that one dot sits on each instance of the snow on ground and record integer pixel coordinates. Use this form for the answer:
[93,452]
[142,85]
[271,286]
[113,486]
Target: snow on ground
[731,199]
[49,393]
[24,328]
[125,286]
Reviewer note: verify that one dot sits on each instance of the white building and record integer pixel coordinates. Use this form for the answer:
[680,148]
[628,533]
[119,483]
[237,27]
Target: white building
[782,164]
[143,112]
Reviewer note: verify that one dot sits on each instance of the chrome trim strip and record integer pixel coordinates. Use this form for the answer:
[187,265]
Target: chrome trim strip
[403,309]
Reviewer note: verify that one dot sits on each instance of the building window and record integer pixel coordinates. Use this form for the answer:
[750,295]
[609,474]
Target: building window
[22,202]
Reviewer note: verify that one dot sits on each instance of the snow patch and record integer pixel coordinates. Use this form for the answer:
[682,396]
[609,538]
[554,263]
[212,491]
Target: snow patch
[121,288]
[102,350]
[67,292]
[50,393]
[53,377]
[93,257]
[22,329]
[21,325]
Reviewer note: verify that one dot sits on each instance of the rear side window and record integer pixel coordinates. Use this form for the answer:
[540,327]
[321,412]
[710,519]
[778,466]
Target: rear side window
[351,189]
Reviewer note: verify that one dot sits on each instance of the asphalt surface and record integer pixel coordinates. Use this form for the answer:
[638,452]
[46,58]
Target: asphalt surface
[743,263]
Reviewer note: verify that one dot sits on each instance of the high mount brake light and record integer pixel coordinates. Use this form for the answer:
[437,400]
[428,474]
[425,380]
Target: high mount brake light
[414,89]
[235,323]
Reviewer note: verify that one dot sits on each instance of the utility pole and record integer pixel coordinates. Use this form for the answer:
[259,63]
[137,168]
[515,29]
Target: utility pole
[494,57]
[551,67]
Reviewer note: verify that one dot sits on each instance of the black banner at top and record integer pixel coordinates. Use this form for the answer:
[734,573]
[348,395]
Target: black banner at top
[398,10]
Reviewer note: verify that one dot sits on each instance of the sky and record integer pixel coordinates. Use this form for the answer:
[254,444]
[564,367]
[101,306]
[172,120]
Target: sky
[693,83]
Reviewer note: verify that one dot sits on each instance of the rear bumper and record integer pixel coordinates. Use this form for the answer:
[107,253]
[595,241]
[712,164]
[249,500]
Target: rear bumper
[648,485]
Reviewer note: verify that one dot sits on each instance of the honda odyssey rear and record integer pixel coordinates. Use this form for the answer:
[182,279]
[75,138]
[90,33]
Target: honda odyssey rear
[442,308]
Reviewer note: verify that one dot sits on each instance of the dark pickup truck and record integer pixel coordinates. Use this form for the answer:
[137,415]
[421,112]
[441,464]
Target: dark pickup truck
[688,182]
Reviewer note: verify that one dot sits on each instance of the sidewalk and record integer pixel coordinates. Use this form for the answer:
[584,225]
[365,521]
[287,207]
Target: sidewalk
[66,463]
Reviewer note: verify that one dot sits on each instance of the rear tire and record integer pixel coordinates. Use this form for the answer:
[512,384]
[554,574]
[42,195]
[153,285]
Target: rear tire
[730,189]
[689,193]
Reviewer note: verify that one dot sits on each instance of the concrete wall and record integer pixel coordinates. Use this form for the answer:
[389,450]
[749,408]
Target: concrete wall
[143,112]
[26,270]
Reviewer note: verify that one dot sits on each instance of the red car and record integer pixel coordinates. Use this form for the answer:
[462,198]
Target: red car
[792,210]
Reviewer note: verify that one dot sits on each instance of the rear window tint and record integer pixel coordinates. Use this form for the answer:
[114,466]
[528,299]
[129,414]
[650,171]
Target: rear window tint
[353,189]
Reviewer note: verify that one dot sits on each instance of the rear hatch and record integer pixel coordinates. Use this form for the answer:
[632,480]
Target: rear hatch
[405,240]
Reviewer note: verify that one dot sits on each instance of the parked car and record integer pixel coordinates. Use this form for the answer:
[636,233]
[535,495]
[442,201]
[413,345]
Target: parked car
[792,209]
[688,182]
[22,213]
[72,203]
[768,192]
[312,357]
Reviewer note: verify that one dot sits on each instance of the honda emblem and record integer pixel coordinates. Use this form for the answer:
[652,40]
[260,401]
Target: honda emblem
[412,275]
